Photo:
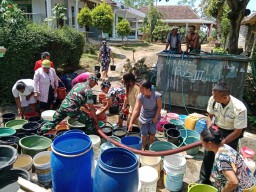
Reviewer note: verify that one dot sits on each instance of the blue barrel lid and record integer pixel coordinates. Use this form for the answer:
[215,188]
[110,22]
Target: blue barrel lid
[72,143]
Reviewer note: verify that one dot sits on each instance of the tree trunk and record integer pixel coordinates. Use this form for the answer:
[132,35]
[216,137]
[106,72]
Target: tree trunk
[235,17]
[86,34]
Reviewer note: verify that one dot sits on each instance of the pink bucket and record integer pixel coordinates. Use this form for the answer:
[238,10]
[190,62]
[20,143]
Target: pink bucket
[160,124]
[172,116]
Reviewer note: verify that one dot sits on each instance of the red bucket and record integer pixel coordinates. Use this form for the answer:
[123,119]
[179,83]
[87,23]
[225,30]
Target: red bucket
[61,93]
[27,115]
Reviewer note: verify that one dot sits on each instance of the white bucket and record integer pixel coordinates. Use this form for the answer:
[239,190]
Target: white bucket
[96,152]
[95,140]
[148,177]
[174,168]
[154,162]
[42,165]
[24,162]
[48,115]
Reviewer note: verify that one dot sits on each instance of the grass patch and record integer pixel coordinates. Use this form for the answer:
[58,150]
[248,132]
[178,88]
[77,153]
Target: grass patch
[88,61]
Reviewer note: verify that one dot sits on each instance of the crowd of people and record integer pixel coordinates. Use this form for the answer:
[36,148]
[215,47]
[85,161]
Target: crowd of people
[138,103]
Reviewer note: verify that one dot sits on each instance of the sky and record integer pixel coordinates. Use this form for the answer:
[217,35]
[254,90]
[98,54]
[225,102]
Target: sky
[251,5]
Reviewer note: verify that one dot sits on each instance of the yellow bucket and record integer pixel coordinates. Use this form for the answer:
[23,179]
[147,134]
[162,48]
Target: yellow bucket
[190,122]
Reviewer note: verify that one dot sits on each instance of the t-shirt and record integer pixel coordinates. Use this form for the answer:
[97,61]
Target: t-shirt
[28,89]
[232,116]
[82,77]
[79,95]
[149,107]
[229,160]
[117,94]
[38,64]
[174,39]
[132,96]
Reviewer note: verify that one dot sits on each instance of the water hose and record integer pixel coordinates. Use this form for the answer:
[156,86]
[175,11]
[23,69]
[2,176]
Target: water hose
[149,153]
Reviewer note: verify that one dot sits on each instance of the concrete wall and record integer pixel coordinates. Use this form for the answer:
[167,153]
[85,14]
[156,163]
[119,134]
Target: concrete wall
[38,7]
[242,36]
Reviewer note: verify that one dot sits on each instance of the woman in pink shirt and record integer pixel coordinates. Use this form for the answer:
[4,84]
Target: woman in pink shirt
[83,77]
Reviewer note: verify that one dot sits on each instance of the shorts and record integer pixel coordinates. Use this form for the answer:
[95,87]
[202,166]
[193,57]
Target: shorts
[24,102]
[148,128]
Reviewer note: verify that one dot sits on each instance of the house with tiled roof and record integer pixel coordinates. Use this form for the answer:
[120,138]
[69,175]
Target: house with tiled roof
[247,37]
[180,15]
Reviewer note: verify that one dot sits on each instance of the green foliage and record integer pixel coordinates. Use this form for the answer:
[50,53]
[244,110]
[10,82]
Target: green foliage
[24,46]
[103,17]
[219,51]
[151,20]
[84,17]
[10,14]
[123,28]
[136,3]
[59,11]
[252,120]
[215,7]
[160,32]
[225,24]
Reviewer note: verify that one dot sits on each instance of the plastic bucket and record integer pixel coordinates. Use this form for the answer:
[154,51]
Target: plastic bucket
[189,140]
[115,138]
[72,163]
[61,127]
[24,162]
[16,124]
[74,124]
[31,145]
[8,156]
[27,115]
[174,167]
[162,146]
[194,187]
[61,93]
[173,136]
[8,117]
[104,102]
[154,162]
[35,119]
[101,97]
[170,116]
[5,131]
[43,167]
[182,117]
[9,179]
[190,122]
[107,130]
[200,125]
[10,140]
[161,123]
[136,129]
[148,178]
[119,132]
[179,123]
[31,127]
[189,133]
[95,140]
[168,126]
[117,170]
[48,115]
[132,141]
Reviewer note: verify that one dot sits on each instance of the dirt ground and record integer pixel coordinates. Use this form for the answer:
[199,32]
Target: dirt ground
[193,164]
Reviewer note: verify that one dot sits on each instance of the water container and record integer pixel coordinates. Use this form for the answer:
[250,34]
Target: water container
[161,123]
[148,178]
[95,140]
[106,145]
[179,123]
[5,131]
[132,141]
[8,116]
[182,117]
[190,122]
[24,162]
[16,124]
[27,115]
[168,126]
[43,167]
[154,162]
[48,115]
[72,163]
[162,146]
[117,170]
[8,156]
[172,116]
[189,140]
[194,187]
[200,125]
[174,170]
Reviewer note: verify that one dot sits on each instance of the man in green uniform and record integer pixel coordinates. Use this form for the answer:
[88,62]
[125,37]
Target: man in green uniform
[80,95]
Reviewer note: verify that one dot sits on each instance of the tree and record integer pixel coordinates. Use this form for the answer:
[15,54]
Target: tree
[10,14]
[123,28]
[103,17]
[236,14]
[59,14]
[136,3]
[84,18]
[151,20]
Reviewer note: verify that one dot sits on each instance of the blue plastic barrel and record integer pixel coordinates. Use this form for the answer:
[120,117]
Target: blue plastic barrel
[72,163]
[200,125]
[182,117]
[132,141]
[117,170]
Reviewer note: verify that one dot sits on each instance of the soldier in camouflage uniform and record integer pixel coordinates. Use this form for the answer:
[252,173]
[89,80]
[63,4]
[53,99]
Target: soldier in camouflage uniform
[79,95]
